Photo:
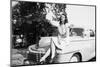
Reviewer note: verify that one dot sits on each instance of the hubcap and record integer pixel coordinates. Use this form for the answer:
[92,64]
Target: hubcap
[74,59]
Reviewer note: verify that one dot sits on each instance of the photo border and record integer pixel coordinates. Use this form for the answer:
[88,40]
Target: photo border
[55,3]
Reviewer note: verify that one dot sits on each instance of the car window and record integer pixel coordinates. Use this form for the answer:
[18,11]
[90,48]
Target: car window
[76,31]
[92,34]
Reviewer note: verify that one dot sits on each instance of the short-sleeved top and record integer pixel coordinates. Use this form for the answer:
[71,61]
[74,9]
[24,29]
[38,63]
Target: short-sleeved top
[63,30]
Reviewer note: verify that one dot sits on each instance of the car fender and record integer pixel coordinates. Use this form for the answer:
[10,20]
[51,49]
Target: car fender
[65,57]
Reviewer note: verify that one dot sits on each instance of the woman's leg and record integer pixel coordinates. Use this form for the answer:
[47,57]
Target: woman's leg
[46,55]
[51,50]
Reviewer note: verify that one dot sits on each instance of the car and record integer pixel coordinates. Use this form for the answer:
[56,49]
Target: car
[79,49]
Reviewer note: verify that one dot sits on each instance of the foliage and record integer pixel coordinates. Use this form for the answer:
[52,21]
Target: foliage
[29,18]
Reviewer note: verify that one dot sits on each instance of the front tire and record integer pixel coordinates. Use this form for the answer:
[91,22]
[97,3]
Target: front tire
[75,58]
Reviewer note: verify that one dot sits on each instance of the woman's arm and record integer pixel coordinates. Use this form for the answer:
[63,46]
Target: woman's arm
[50,16]
[54,23]
[67,29]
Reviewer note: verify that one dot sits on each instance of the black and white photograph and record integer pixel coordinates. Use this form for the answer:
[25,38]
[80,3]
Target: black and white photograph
[45,33]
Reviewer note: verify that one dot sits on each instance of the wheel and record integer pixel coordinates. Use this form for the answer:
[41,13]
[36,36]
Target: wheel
[75,58]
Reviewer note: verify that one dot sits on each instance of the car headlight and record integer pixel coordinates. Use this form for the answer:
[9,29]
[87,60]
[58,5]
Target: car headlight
[19,40]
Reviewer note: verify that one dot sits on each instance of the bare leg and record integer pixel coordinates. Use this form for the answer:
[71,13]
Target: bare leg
[46,55]
[52,49]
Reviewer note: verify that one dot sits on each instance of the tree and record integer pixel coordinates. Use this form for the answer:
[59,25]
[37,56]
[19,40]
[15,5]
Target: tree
[30,17]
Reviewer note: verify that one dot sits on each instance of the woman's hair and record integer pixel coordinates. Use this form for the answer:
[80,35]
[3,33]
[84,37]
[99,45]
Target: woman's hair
[66,19]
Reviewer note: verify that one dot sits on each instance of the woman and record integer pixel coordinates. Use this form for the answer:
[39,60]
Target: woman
[60,42]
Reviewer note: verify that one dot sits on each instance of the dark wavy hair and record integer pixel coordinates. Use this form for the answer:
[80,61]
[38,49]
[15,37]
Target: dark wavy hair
[66,19]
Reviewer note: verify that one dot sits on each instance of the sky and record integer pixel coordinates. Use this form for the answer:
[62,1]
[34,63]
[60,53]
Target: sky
[81,16]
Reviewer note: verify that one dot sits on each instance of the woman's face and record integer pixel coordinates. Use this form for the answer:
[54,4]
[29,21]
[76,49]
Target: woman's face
[62,18]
